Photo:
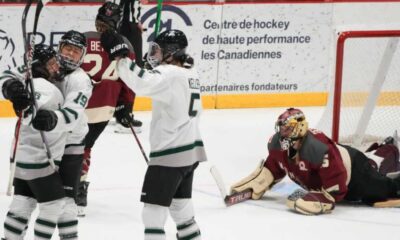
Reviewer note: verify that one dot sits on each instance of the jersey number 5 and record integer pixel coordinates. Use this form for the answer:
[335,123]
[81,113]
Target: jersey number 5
[193,97]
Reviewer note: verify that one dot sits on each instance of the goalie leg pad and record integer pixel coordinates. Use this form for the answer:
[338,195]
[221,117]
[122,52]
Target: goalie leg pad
[384,156]
[258,181]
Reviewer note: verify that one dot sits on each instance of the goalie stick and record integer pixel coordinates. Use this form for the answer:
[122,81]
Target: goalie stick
[29,48]
[232,198]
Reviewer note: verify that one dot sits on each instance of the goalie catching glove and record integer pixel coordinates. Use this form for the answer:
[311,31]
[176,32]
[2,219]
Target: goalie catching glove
[258,181]
[114,45]
[311,203]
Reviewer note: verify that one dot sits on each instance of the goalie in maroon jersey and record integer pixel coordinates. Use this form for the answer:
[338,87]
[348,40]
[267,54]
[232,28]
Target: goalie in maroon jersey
[329,172]
[111,97]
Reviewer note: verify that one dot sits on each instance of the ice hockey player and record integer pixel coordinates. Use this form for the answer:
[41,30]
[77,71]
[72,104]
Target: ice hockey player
[76,87]
[176,144]
[329,172]
[110,95]
[35,180]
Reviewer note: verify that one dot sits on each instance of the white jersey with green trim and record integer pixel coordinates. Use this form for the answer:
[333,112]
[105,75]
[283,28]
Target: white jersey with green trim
[175,138]
[31,159]
[77,89]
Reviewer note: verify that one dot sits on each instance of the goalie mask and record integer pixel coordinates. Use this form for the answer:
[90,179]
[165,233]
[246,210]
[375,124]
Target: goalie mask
[71,50]
[109,14]
[170,43]
[291,126]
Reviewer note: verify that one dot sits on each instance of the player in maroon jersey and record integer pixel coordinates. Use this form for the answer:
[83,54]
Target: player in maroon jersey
[329,172]
[111,97]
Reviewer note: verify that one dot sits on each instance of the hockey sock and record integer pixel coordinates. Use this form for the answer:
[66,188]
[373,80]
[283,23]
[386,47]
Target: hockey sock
[182,212]
[49,212]
[188,230]
[154,218]
[18,216]
[68,221]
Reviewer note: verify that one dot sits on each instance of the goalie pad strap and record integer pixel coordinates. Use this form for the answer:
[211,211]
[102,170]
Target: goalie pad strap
[258,181]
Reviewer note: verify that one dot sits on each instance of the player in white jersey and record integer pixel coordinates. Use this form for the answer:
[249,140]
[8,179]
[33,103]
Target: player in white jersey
[176,145]
[76,87]
[35,180]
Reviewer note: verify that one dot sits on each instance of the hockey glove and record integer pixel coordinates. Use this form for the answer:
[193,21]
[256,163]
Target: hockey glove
[14,91]
[311,203]
[114,45]
[123,114]
[258,181]
[45,120]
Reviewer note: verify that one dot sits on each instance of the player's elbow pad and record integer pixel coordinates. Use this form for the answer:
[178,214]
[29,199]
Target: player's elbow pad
[258,181]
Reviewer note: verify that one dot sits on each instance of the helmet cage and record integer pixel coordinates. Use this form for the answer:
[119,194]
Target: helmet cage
[65,62]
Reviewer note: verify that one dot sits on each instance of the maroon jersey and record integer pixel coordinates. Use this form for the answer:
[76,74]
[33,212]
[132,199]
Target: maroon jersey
[319,165]
[108,89]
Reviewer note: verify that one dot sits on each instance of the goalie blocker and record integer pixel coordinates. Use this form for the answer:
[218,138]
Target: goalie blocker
[329,172]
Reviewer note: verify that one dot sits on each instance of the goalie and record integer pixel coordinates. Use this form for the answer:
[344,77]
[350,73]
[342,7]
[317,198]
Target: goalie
[328,172]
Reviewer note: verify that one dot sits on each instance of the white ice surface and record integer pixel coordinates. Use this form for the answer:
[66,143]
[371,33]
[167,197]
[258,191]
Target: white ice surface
[235,141]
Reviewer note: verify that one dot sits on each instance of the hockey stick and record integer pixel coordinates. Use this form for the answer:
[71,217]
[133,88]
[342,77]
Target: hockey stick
[233,198]
[29,49]
[138,143]
[16,133]
[12,158]
[158,18]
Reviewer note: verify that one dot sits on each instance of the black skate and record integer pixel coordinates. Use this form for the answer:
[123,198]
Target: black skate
[136,123]
[81,198]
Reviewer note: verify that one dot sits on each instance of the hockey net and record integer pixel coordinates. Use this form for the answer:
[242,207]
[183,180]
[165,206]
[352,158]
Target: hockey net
[364,100]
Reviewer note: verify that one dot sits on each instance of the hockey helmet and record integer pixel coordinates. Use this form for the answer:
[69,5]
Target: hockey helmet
[41,55]
[292,124]
[110,14]
[76,39]
[168,43]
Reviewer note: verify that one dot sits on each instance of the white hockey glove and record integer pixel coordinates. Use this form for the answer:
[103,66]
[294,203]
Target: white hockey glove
[258,181]
[311,203]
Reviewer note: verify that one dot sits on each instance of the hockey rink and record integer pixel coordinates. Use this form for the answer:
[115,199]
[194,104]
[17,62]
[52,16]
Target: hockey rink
[235,141]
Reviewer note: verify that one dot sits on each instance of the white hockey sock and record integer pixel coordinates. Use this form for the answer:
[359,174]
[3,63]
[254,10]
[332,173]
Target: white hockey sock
[154,218]
[45,224]
[16,222]
[68,222]
[183,214]
[189,230]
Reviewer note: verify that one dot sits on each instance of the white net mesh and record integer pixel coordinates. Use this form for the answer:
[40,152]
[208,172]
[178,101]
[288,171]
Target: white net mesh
[370,95]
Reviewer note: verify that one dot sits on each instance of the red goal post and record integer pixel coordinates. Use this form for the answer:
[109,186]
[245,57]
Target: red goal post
[366,89]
